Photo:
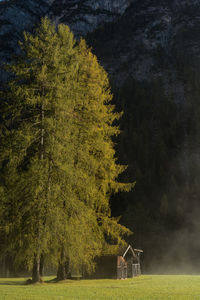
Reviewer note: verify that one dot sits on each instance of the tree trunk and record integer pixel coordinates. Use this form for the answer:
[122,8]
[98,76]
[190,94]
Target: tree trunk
[61,273]
[38,262]
[36,270]
[42,265]
[42,133]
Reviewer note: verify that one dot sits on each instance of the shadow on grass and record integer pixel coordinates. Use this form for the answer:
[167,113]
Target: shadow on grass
[12,282]
[28,281]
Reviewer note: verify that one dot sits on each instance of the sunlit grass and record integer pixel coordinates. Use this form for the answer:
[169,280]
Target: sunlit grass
[141,288]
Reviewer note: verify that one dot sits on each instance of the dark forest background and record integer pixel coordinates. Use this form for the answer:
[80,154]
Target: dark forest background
[159,142]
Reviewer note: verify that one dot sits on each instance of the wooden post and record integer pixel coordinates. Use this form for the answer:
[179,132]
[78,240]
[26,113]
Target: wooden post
[121,268]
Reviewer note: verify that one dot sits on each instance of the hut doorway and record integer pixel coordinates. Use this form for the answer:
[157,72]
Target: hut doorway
[128,265]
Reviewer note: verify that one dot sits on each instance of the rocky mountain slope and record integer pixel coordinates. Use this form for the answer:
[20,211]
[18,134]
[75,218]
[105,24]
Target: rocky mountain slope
[147,39]
[84,16]
[132,38]
[138,39]
[17,16]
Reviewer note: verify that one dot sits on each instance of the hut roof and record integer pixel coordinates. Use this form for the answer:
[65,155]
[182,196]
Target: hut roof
[133,251]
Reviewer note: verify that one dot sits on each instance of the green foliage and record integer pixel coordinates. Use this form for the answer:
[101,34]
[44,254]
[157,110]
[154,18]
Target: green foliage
[57,152]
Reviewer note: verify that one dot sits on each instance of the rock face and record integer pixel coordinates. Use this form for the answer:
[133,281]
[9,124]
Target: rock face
[84,16]
[148,37]
[15,17]
[133,37]
[137,35]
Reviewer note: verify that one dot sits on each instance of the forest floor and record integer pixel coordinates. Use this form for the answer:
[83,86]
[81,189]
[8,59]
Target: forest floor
[146,287]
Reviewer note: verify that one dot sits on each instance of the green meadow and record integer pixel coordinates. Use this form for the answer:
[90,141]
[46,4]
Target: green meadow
[147,287]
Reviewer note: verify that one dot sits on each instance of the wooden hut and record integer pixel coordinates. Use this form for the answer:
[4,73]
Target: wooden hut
[128,264]
[124,266]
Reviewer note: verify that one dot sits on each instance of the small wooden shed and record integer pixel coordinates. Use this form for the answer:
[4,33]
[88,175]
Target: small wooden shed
[124,266]
[128,264]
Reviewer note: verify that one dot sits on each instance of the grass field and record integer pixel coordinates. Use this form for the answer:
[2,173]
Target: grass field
[183,287]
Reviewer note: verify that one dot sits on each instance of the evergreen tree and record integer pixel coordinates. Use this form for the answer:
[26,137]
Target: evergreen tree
[95,162]
[40,135]
[58,155]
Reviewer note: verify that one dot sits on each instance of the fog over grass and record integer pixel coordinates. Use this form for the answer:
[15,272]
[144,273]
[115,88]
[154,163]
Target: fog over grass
[182,253]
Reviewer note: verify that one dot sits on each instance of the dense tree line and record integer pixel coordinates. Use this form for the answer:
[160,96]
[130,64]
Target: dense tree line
[151,140]
[160,143]
[159,140]
[58,163]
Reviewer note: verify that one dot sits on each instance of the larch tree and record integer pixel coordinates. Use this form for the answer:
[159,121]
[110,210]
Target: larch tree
[58,156]
[95,163]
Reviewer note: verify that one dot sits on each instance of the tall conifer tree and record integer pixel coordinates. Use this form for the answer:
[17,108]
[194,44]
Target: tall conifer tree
[60,160]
